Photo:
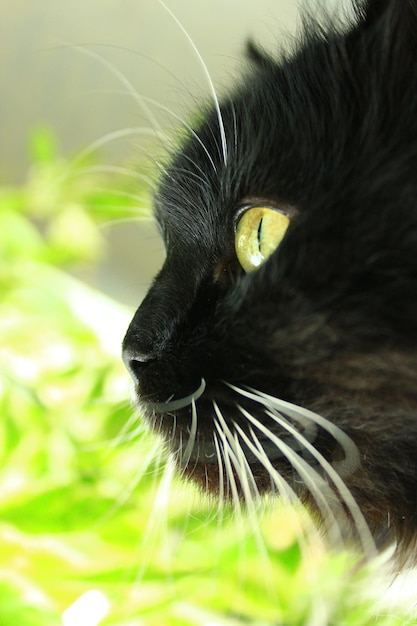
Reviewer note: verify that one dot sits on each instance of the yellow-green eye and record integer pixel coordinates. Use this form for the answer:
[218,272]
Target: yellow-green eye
[259,232]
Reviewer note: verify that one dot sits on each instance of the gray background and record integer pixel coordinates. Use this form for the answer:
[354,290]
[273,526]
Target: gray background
[46,79]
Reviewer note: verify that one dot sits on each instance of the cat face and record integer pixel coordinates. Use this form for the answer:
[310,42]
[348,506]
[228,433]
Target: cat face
[276,348]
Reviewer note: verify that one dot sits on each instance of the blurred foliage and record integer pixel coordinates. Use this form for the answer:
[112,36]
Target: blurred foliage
[94,528]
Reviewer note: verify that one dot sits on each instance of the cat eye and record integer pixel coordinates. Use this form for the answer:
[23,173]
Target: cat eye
[259,232]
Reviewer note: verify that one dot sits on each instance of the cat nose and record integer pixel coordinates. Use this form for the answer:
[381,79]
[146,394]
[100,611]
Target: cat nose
[141,357]
[139,349]
[134,359]
[154,325]
[146,338]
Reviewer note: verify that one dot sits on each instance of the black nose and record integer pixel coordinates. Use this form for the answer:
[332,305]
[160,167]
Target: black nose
[135,361]
[139,345]
[138,351]
[148,335]
[133,365]
[155,324]
[129,355]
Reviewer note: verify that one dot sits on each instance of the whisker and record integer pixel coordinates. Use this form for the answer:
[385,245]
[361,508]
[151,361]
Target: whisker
[335,471]
[186,125]
[208,77]
[177,117]
[226,452]
[241,465]
[113,136]
[347,497]
[237,458]
[281,484]
[133,219]
[249,487]
[352,458]
[177,453]
[128,490]
[157,522]
[121,193]
[253,510]
[221,471]
[124,435]
[202,179]
[320,490]
[235,135]
[192,436]
[114,169]
[141,55]
[285,491]
[161,498]
[122,79]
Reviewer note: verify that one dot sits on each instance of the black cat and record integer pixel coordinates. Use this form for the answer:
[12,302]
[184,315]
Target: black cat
[277,348]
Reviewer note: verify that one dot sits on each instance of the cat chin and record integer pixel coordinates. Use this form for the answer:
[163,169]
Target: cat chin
[245,444]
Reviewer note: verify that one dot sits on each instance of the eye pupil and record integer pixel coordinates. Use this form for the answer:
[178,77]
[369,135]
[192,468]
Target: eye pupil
[259,232]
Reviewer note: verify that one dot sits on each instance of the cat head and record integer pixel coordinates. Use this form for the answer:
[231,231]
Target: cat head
[276,348]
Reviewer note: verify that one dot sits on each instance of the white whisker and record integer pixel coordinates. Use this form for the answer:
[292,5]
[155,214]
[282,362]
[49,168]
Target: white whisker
[352,458]
[177,117]
[320,490]
[226,452]
[179,403]
[335,471]
[202,179]
[235,135]
[113,169]
[241,465]
[113,136]
[128,489]
[220,469]
[124,194]
[192,436]
[126,435]
[249,488]
[122,79]
[347,497]
[283,487]
[174,430]
[285,491]
[208,77]
[186,125]
[133,219]
[157,523]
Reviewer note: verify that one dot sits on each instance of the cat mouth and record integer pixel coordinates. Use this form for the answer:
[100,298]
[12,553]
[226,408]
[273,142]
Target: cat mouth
[195,443]
[181,403]
[209,433]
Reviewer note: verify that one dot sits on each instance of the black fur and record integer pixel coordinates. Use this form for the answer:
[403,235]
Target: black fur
[329,322]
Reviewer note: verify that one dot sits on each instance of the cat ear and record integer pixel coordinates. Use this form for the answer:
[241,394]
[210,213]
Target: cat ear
[258,56]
